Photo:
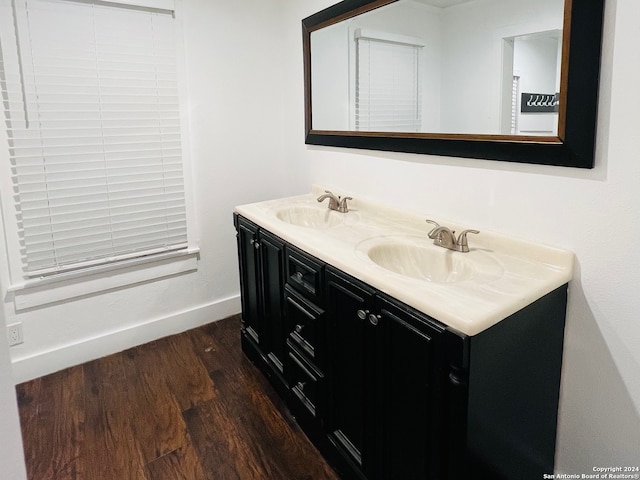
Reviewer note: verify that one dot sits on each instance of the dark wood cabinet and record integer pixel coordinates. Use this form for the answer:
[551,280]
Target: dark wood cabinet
[411,371]
[386,382]
[261,261]
[387,392]
[351,400]
[249,267]
[271,256]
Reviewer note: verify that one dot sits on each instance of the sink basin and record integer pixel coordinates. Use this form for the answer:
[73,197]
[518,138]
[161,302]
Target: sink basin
[417,258]
[310,217]
[422,263]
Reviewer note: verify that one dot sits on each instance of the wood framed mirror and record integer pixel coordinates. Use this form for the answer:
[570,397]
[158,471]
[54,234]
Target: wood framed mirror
[485,96]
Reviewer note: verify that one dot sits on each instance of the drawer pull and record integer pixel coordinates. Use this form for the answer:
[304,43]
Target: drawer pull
[362,314]
[374,319]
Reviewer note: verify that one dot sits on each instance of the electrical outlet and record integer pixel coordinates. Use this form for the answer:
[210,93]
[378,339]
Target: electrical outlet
[14,334]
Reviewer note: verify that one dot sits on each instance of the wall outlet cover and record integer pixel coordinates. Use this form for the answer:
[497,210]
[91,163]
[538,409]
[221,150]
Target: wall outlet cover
[14,334]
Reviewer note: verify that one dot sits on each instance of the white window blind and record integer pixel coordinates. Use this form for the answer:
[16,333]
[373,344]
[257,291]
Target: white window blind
[388,93]
[94,132]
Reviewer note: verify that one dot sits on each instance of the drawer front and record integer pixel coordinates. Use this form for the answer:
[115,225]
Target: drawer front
[305,274]
[303,323]
[304,380]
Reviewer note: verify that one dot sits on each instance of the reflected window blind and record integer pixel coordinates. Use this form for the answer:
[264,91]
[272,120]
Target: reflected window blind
[515,89]
[94,132]
[388,96]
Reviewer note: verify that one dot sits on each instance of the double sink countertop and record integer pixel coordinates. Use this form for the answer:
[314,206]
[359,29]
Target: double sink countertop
[389,249]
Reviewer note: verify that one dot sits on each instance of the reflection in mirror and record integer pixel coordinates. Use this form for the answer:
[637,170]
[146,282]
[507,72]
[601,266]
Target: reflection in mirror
[509,80]
[532,63]
[441,66]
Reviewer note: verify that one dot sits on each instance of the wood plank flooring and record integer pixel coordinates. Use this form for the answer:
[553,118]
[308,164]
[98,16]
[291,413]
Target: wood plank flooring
[186,407]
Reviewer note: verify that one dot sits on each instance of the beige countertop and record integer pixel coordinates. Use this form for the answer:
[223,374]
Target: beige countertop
[498,276]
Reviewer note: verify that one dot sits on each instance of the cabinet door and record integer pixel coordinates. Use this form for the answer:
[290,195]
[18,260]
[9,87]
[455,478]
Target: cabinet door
[271,257]
[350,424]
[247,235]
[410,384]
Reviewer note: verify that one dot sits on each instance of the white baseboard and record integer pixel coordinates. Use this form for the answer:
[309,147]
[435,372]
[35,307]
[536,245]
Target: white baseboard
[65,356]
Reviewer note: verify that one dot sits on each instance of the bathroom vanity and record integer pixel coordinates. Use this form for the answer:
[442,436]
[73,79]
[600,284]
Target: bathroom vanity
[398,358]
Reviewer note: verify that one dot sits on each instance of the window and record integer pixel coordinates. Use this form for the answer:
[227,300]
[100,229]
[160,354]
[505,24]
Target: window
[388,93]
[93,124]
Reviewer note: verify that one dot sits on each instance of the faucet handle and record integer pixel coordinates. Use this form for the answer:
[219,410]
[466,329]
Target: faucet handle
[461,243]
[435,225]
[342,204]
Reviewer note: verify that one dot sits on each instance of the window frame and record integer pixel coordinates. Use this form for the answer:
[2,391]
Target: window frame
[29,292]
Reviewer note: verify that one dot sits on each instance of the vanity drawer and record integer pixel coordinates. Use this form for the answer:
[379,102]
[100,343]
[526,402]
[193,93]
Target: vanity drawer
[305,274]
[304,380]
[302,322]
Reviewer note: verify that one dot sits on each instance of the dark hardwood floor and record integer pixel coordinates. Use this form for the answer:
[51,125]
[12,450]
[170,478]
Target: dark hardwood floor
[185,407]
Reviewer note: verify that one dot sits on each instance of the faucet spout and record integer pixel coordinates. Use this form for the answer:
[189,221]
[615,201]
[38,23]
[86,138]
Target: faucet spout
[335,202]
[446,238]
[443,237]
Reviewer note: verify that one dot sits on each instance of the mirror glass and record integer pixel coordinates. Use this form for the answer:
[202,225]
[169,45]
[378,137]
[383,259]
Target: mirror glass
[473,67]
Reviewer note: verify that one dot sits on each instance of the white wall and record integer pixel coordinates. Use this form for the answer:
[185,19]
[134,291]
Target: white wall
[334,58]
[474,106]
[535,61]
[595,213]
[11,456]
[233,57]
[330,77]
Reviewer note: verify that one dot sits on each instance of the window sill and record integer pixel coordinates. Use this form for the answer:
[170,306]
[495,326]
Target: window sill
[42,291]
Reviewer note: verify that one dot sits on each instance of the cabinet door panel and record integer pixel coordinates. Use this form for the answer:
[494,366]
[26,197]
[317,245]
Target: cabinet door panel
[409,386]
[249,278]
[349,419]
[272,263]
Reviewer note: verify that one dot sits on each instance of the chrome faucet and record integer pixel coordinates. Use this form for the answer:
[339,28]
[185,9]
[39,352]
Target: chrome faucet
[446,238]
[336,203]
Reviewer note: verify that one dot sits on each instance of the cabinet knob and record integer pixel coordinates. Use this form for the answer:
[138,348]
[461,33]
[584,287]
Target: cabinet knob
[301,385]
[362,314]
[298,328]
[256,245]
[374,319]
